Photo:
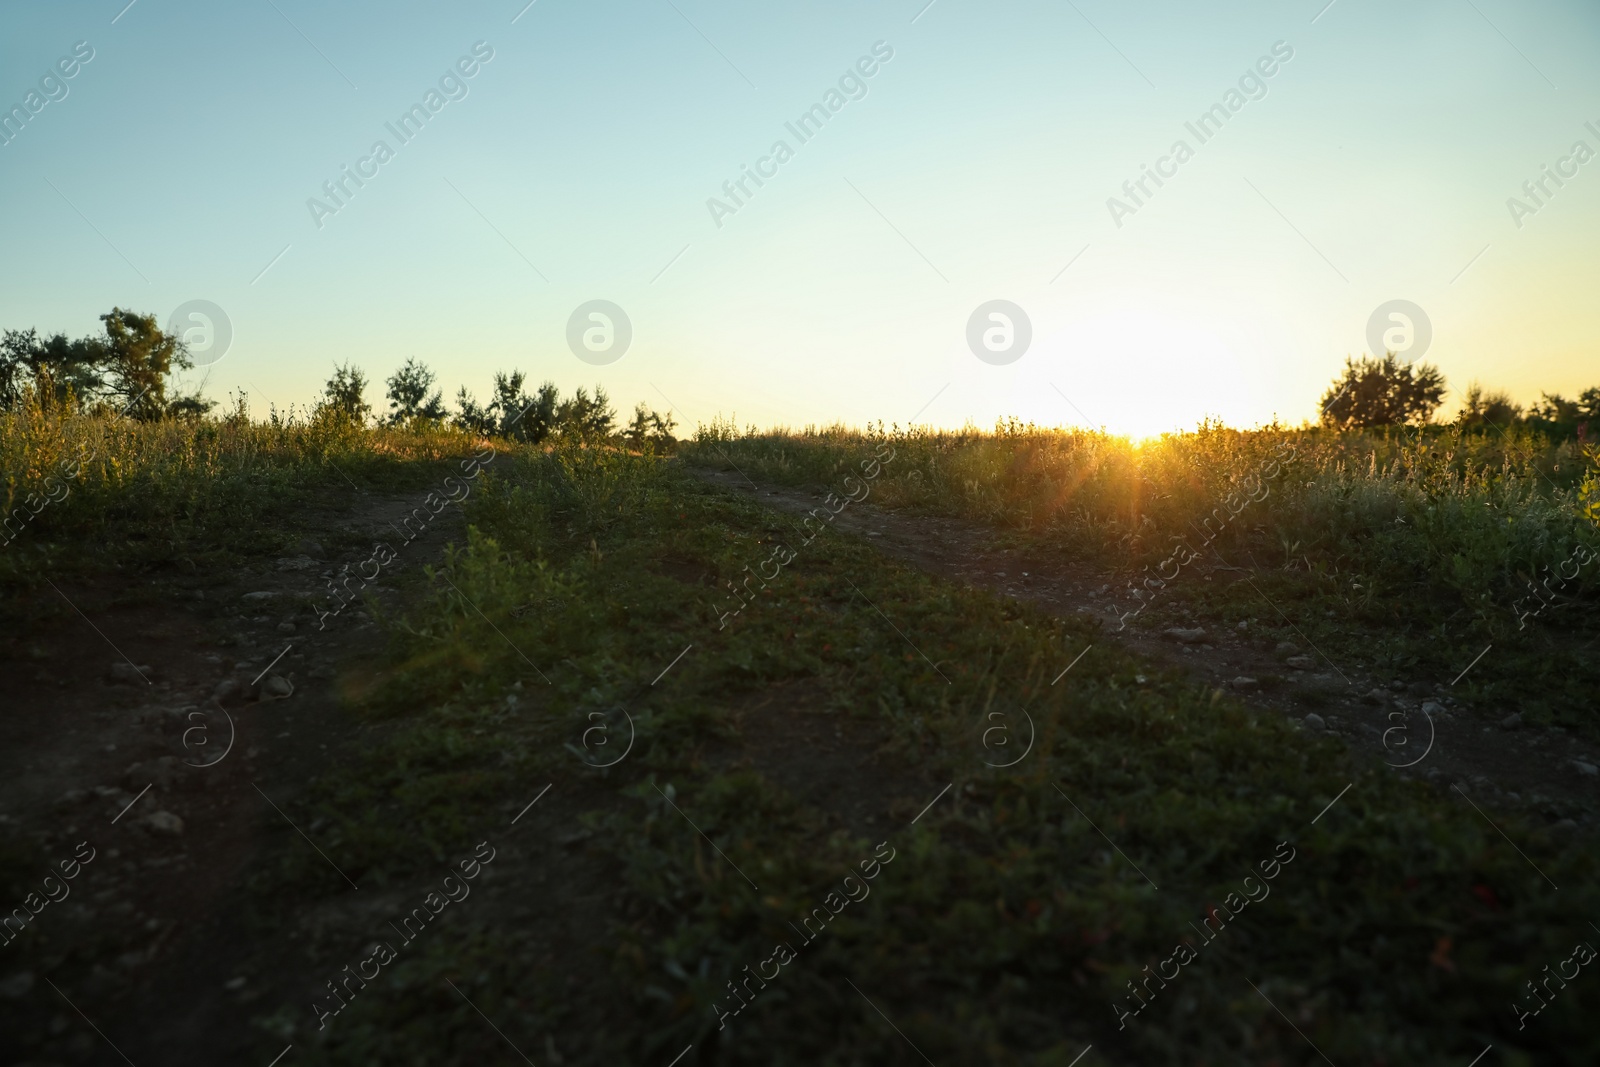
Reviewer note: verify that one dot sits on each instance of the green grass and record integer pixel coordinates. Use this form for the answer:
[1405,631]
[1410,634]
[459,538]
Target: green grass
[189,495]
[1005,928]
[1404,550]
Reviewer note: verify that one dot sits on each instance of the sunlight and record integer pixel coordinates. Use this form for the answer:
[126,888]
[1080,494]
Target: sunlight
[1136,374]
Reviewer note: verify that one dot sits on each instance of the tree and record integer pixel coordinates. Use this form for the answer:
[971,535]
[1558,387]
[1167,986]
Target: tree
[137,357]
[343,397]
[1483,408]
[649,430]
[408,395]
[1553,407]
[54,365]
[585,418]
[1382,392]
[511,413]
[128,370]
[470,415]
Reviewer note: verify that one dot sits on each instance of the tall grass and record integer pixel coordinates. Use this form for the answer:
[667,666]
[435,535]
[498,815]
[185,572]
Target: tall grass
[1470,513]
[75,480]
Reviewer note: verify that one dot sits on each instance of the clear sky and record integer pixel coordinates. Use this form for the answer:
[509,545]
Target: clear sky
[1374,163]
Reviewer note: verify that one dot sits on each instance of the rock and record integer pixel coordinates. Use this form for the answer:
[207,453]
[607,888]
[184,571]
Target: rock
[1242,682]
[296,563]
[313,549]
[163,823]
[1588,770]
[1242,625]
[16,986]
[1314,722]
[286,627]
[1300,663]
[1285,648]
[1183,636]
[1380,697]
[1432,708]
[1419,689]
[260,597]
[127,674]
[1371,731]
[1512,721]
[1564,828]
[275,687]
[226,688]
[72,798]
[234,983]
[161,772]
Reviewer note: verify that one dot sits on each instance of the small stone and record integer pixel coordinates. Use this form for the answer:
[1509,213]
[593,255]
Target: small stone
[286,627]
[234,983]
[276,687]
[1285,648]
[1564,827]
[1185,636]
[1512,721]
[1419,689]
[1242,625]
[1588,770]
[1314,722]
[226,688]
[164,823]
[259,597]
[72,798]
[313,549]
[1432,708]
[1242,682]
[1380,697]
[1300,663]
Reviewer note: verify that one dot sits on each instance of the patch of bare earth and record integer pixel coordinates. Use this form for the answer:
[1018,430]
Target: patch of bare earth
[167,722]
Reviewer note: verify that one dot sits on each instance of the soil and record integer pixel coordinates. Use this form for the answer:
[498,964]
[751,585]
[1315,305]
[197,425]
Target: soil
[122,695]
[145,718]
[1420,727]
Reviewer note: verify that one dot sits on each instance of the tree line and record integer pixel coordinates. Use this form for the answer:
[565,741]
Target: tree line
[1388,391]
[128,369]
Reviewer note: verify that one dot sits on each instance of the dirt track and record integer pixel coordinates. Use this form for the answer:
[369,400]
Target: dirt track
[1470,749]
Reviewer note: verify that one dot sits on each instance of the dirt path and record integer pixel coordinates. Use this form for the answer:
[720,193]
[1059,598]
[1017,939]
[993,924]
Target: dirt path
[147,717]
[1419,723]
[166,721]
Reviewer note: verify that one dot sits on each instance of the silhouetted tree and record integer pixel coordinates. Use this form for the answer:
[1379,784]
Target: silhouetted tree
[344,395]
[1382,392]
[128,369]
[1483,408]
[137,357]
[54,365]
[408,395]
[584,417]
[649,430]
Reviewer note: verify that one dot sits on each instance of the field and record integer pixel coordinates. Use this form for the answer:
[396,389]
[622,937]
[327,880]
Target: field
[750,751]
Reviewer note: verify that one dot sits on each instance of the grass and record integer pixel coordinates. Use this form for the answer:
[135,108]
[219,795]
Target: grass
[1406,549]
[1007,926]
[1020,905]
[154,496]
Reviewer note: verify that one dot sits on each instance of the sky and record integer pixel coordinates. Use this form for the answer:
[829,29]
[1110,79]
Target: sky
[984,159]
